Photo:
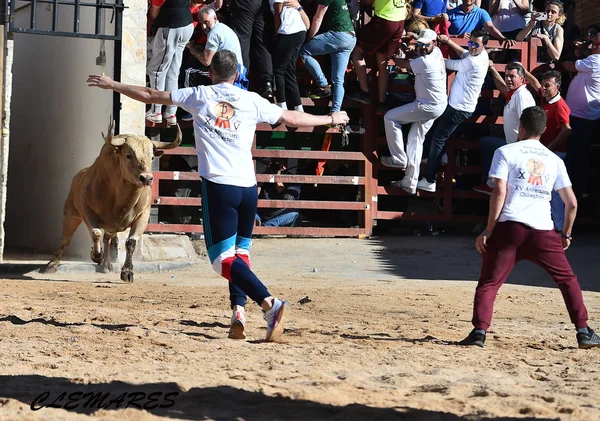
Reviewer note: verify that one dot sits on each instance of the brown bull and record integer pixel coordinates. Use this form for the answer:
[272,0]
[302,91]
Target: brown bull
[111,195]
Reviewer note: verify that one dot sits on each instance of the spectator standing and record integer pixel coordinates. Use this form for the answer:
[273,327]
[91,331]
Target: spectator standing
[472,69]
[291,23]
[335,37]
[225,119]
[519,227]
[508,16]
[548,31]
[583,98]
[174,24]
[468,17]
[430,103]
[379,38]
[434,13]
[518,98]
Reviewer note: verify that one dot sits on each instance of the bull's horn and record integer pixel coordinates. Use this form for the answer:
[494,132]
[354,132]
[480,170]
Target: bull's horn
[169,145]
[111,131]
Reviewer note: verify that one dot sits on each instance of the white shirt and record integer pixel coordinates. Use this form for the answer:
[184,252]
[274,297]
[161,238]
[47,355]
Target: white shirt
[471,73]
[583,96]
[222,37]
[509,17]
[291,20]
[430,79]
[531,171]
[225,119]
[520,100]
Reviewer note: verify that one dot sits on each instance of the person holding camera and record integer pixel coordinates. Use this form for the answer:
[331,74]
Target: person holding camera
[547,27]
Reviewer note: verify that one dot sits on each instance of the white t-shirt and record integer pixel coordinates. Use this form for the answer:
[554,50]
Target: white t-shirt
[509,17]
[583,96]
[520,100]
[222,37]
[531,171]
[430,79]
[225,119]
[291,20]
[471,73]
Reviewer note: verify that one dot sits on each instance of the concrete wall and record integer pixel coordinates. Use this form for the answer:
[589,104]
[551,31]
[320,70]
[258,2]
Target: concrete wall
[56,125]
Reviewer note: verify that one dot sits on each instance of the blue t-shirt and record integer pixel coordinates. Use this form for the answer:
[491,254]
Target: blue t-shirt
[222,37]
[461,22]
[430,8]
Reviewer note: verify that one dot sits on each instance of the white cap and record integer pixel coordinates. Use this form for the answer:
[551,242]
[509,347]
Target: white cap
[426,36]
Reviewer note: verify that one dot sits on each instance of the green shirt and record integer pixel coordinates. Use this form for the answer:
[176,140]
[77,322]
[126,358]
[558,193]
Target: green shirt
[337,17]
[392,10]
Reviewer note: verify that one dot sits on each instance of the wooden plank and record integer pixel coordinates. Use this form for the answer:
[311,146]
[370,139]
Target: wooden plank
[311,179]
[320,155]
[293,231]
[409,216]
[278,204]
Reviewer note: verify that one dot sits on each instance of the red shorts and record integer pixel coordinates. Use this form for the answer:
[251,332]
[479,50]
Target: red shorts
[380,36]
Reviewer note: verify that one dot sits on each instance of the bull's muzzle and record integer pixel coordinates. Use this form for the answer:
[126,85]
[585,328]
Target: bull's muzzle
[146,180]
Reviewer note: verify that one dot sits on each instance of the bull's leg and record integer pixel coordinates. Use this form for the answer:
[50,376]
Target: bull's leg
[114,249]
[135,234]
[70,225]
[106,265]
[93,225]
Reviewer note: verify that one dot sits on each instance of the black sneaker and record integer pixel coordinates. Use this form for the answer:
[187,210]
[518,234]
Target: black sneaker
[320,93]
[475,338]
[266,91]
[589,340]
[359,96]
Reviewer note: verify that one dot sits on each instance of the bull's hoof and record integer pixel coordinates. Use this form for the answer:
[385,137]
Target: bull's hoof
[105,268]
[97,258]
[127,275]
[51,267]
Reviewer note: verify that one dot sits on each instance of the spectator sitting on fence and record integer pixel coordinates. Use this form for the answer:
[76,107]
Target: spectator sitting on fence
[507,16]
[471,68]
[583,98]
[549,31]
[468,17]
[557,130]
[430,103]
[174,24]
[518,98]
[379,39]
[277,191]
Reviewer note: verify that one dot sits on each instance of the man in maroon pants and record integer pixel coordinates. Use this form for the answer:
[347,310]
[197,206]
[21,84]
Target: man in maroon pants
[520,227]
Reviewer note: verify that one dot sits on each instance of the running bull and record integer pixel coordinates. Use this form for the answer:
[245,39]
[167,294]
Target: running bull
[111,195]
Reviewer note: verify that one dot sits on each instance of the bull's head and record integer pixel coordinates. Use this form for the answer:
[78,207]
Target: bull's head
[134,154]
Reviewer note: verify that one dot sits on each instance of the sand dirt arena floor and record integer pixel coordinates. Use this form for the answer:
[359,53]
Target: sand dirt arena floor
[375,342]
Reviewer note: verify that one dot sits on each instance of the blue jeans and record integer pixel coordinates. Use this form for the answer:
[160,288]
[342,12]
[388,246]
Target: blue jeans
[557,206]
[487,146]
[578,152]
[338,45]
[287,219]
[443,128]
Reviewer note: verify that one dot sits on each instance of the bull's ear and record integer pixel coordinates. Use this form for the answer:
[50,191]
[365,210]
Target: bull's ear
[158,153]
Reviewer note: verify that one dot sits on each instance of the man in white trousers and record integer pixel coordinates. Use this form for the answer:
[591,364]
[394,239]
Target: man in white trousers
[431,101]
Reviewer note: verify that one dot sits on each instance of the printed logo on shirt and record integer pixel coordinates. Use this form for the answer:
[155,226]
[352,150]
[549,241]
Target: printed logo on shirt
[224,112]
[536,169]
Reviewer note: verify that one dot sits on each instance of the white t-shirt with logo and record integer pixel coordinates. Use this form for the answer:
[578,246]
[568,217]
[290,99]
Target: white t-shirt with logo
[430,79]
[531,171]
[225,119]
[520,100]
[291,20]
[583,96]
[471,73]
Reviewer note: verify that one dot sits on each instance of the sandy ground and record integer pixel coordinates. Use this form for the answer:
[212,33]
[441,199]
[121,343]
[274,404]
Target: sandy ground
[375,342]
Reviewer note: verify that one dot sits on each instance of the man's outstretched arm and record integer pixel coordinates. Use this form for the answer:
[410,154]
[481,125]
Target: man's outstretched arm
[300,119]
[139,93]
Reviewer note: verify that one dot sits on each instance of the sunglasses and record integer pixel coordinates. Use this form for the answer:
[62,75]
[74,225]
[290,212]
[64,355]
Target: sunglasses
[421,44]
[474,44]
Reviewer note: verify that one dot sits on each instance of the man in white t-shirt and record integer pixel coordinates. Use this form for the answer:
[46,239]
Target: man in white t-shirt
[583,98]
[431,100]
[518,98]
[520,227]
[225,119]
[471,68]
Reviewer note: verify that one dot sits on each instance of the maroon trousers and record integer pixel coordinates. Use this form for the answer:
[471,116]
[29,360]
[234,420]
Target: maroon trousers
[511,242]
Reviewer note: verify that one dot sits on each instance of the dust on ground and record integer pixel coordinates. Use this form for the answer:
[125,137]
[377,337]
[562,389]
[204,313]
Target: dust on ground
[373,341]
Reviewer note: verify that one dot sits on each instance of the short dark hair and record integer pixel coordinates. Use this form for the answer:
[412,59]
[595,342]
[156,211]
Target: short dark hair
[533,121]
[553,74]
[517,67]
[224,65]
[480,33]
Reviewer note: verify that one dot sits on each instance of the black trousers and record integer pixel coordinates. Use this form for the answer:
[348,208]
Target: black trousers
[252,21]
[285,56]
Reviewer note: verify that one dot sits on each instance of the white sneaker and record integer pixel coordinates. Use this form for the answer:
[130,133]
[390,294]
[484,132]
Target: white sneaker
[425,185]
[389,162]
[238,322]
[171,119]
[275,318]
[403,186]
[154,117]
